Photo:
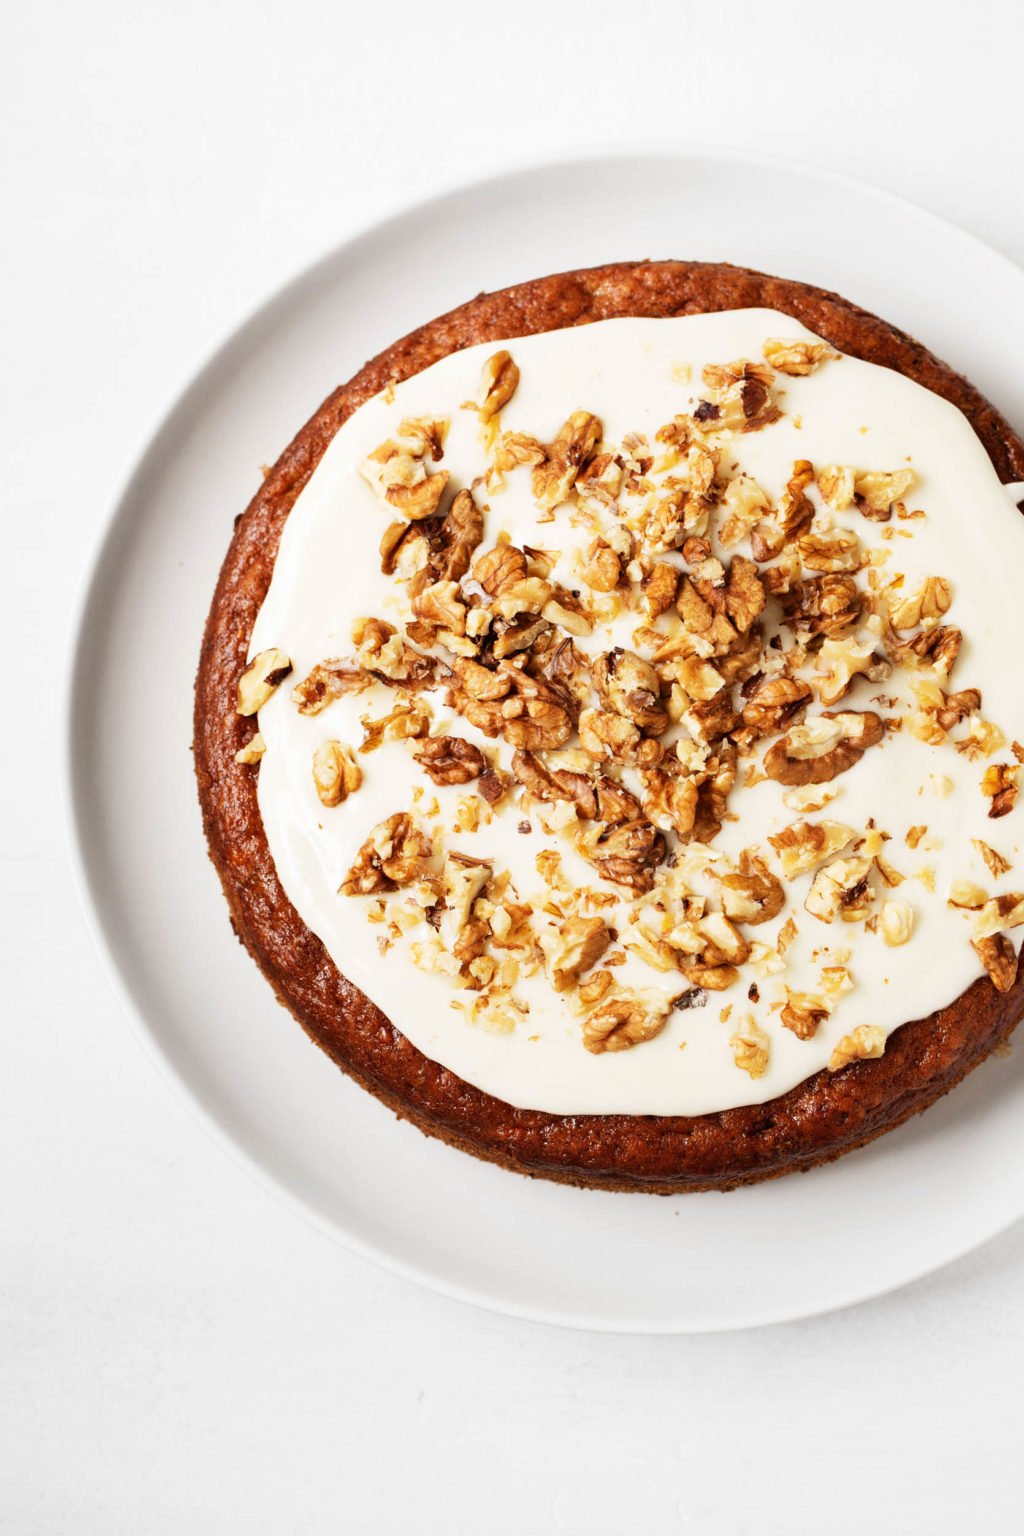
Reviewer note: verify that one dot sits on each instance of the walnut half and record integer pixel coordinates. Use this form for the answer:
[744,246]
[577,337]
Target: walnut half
[819,751]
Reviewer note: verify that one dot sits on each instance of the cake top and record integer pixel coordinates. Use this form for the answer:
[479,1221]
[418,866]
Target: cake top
[650,738]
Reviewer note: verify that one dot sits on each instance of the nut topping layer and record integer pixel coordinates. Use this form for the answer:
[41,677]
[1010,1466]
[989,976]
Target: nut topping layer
[613,684]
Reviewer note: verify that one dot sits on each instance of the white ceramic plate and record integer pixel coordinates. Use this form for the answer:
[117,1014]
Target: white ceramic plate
[876,1219]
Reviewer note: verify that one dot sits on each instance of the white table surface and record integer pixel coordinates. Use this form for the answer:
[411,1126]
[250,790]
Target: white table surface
[177,1352]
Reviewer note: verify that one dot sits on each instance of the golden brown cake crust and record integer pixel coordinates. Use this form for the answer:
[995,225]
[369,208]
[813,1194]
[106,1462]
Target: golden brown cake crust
[819,1119]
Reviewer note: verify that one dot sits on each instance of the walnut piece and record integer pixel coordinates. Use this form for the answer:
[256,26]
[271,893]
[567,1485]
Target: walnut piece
[999,783]
[628,1019]
[823,605]
[501,569]
[750,1046]
[837,487]
[806,844]
[602,571]
[499,380]
[752,895]
[558,784]
[840,661]
[876,492]
[553,479]
[796,357]
[630,848]
[804,1012]
[452,541]
[740,397]
[260,678]
[841,889]
[252,751]
[441,604]
[450,759]
[537,716]
[896,922]
[581,942]
[336,773]
[631,687]
[999,958]
[997,865]
[822,749]
[867,1042]
[329,680]
[408,721]
[929,600]
[395,854]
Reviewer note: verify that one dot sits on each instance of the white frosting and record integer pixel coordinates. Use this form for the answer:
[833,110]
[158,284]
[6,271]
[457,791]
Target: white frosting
[629,373]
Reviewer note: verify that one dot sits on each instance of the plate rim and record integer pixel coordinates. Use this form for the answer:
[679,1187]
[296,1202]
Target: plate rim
[73,815]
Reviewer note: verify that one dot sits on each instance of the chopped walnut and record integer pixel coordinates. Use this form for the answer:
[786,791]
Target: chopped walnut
[599,482]
[803,1012]
[774,703]
[744,504]
[602,570]
[750,1046]
[896,922]
[837,487]
[841,889]
[631,687]
[553,479]
[581,942]
[659,587]
[805,845]
[630,848]
[514,449]
[607,737]
[867,1042]
[999,914]
[336,773]
[929,600]
[441,604]
[537,716]
[840,661]
[396,853]
[398,474]
[408,721]
[501,569]
[999,783]
[329,680]
[753,894]
[450,760]
[823,605]
[462,881]
[876,492]
[744,593]
[260,678]
[999,958]
[252,751]
[452,541]
[740,397]
[996,863]
[628,1019]
[499,380]
[553,785]
[796,357]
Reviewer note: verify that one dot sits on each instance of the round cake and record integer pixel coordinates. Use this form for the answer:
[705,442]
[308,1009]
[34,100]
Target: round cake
[608,730]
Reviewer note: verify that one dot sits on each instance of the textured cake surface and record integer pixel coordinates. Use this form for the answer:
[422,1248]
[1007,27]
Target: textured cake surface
[820,1118]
